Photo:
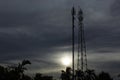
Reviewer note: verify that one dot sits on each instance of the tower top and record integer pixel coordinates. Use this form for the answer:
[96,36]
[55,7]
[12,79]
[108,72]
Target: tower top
[73,11]
[80,15]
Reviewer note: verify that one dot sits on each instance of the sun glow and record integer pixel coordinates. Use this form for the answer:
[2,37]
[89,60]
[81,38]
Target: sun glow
[66,61]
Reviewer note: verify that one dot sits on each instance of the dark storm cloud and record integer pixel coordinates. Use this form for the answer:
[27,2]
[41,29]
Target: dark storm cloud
[42,29]
[108,66]
[17,19]
[22,13]
[15,14]
[103,35]
[29,27]
[23,45]
[115,8]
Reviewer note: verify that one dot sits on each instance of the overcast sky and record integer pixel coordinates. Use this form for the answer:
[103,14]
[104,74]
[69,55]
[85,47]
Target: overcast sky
[40,30]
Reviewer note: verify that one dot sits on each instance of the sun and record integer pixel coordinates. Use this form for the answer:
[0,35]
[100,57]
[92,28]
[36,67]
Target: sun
[66,61]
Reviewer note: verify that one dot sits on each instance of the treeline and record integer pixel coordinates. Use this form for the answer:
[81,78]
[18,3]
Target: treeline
[84,75]
[17,73]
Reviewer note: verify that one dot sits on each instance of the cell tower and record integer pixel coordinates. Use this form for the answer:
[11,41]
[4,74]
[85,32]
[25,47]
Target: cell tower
[81,43]
[82,57]
[73,25]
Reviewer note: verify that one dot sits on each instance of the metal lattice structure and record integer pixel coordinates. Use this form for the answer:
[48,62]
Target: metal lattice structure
[73,25]
[82,57]
[81,43]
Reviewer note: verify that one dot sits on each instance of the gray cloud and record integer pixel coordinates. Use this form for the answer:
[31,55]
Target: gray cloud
[41,29]
[115,8]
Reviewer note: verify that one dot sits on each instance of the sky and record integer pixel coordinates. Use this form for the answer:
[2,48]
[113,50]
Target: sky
[40,31]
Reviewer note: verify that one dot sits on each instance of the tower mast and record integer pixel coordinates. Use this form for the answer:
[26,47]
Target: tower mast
[81,43]
[73,18]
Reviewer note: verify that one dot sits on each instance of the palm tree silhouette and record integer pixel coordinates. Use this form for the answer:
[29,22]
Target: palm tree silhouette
[90,75]
[17,72]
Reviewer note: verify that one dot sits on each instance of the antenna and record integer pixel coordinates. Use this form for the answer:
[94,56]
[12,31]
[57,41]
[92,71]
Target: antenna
[82,56]
[81,43]
[73,18]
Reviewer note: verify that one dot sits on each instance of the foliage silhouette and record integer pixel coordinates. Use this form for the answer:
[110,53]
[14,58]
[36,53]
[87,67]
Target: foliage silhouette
[86,75]
[14,72]
[17,73]
[79,75]
[39,76]
[104,76]
[66,75]
[3,72]
[90,75]
[63,75]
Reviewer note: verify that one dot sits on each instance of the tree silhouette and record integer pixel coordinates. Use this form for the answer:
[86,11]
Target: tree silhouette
[85,75]
[66,75]
[39,76]
[63,75]
[3,73]
[79,75]
[104,76]
[17,72]
[25,77]
[90,75]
